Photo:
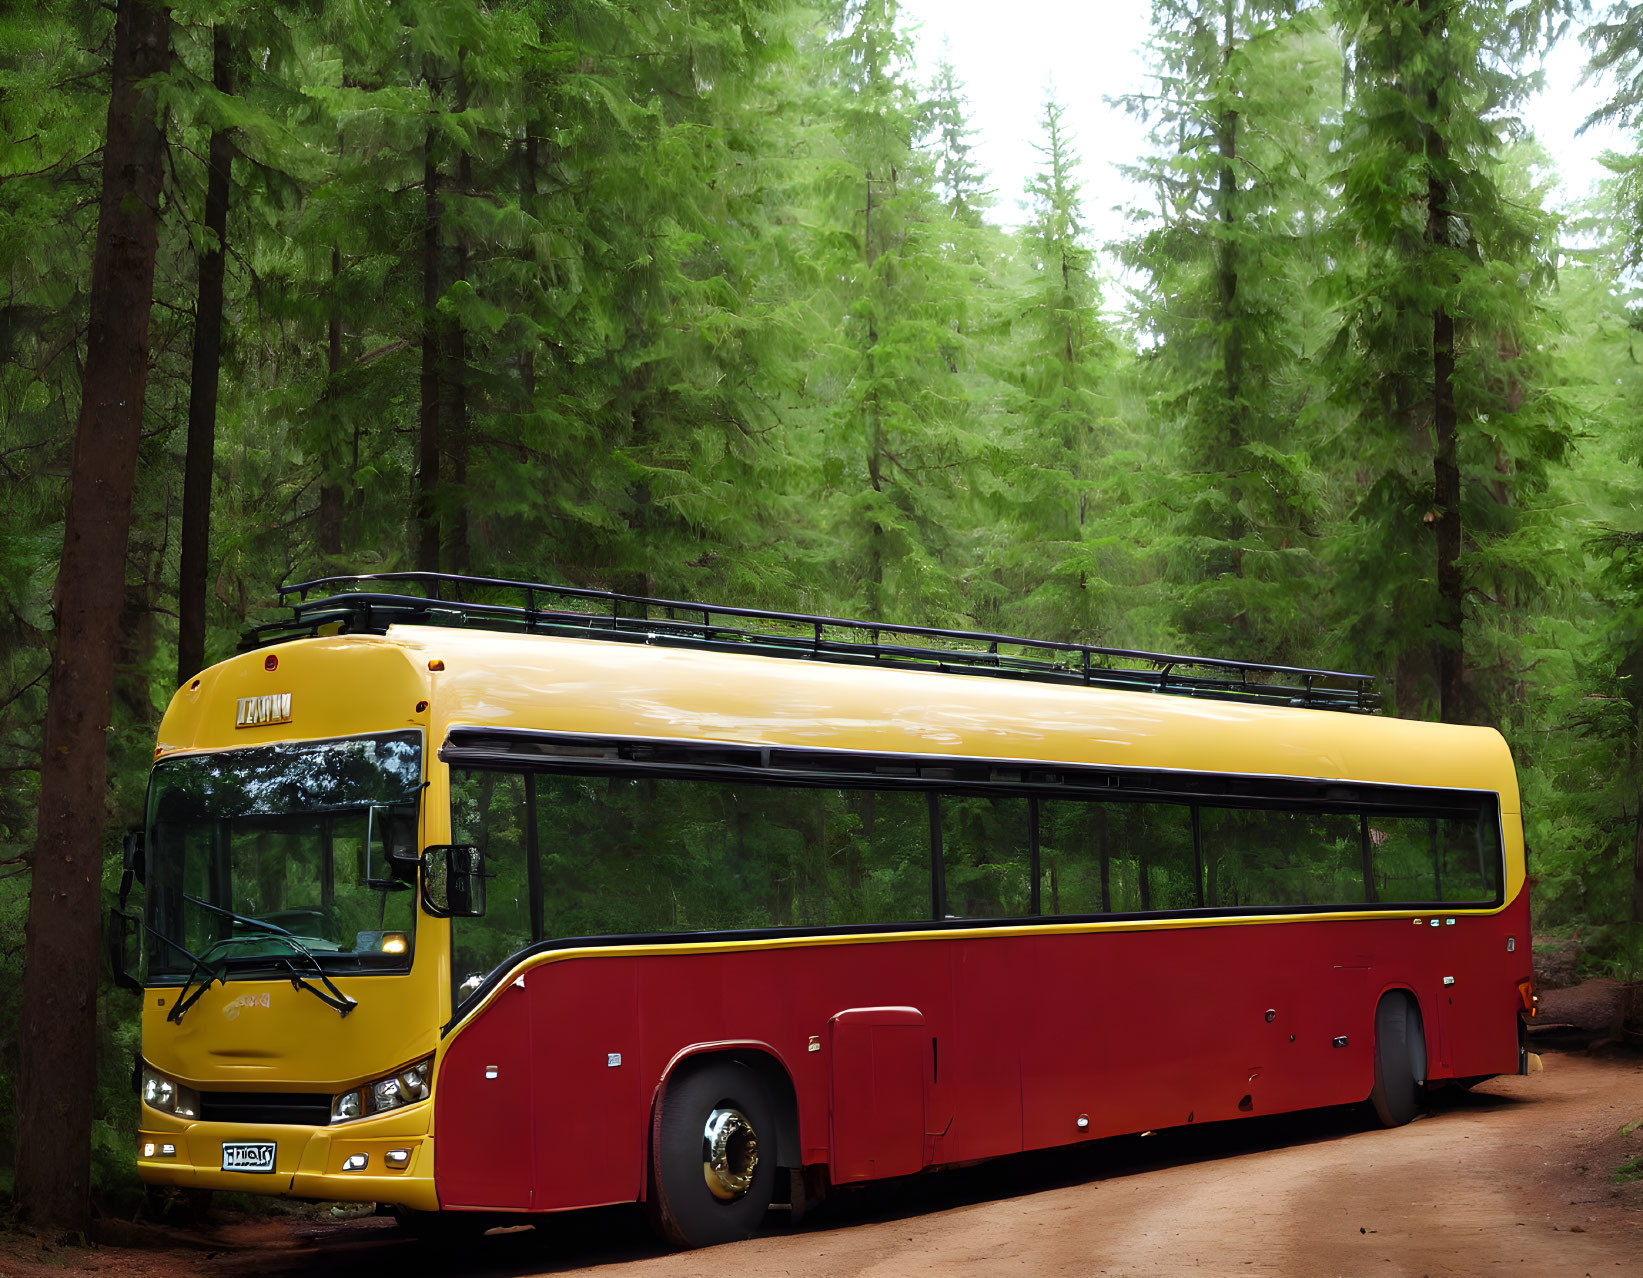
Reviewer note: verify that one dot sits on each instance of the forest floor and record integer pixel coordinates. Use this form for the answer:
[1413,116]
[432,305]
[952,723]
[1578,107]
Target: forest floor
[1521,1174]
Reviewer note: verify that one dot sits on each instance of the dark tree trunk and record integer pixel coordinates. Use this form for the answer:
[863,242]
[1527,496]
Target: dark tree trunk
[1637,869]
[1451,649]
[875,431]
[1226,255]
[202,391]
[527,362]
[57,1075]
[328,522]
[427,452]
[456,423]
[1451,654]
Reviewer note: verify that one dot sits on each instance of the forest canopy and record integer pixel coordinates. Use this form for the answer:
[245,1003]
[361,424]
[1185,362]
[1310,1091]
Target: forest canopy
[711,301]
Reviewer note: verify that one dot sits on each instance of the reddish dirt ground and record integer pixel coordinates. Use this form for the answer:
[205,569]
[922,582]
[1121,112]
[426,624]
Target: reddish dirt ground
[1516,1176]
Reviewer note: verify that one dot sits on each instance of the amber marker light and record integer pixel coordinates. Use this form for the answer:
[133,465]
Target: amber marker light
[436,664]
[393,942]
[1526,989]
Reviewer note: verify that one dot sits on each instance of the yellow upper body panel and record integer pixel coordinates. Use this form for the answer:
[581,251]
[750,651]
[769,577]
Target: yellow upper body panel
[631,690]
[352,684]
[339,687]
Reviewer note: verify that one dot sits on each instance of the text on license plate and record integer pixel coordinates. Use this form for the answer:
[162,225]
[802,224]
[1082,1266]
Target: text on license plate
[252,1156]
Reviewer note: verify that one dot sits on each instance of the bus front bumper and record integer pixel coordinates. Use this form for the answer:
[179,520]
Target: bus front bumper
[347,1164]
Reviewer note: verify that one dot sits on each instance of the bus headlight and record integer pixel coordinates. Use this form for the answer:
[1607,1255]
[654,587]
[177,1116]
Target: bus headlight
[403,1087]
[168,1095]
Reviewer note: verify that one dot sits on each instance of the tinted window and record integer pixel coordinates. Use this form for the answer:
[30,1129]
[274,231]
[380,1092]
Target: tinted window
[986,852]
[1260,857]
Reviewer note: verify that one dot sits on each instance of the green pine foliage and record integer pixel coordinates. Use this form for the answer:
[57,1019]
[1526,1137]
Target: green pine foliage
[1441,295]
[1228,262]
[715,300]
[1049,560]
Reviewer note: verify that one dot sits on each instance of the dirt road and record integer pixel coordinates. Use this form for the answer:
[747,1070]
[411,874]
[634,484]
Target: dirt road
[1517,1176]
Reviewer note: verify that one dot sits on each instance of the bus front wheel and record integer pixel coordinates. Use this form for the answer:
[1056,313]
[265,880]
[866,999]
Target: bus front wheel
[1400,1060]
[713,1156]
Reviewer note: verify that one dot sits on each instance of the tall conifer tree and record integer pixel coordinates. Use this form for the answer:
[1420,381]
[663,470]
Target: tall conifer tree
[1224,303]
[1045,564]
[1441,286]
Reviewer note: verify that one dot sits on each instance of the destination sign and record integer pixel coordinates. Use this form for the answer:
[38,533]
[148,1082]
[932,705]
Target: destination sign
[254,712]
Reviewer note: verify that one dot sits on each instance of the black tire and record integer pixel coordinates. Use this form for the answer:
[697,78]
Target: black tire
[1400,1060]
[442,1228]
[681,1206]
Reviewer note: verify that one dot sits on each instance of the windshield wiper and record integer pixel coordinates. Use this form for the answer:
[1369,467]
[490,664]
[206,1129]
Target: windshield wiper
[331,996]
[184,999]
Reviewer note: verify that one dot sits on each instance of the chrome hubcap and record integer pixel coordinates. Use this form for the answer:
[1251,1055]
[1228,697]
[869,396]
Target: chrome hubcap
[730,1153]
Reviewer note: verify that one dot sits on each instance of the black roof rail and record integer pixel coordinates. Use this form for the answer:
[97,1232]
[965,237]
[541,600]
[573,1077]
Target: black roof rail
[369,603]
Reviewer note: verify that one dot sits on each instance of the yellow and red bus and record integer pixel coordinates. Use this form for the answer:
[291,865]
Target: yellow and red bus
[475,897]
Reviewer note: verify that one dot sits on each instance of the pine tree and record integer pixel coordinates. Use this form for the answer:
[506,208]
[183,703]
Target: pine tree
[1436,362]
[958,178]
[57,1062]
[1225,303]
[901,449]
[1045,562]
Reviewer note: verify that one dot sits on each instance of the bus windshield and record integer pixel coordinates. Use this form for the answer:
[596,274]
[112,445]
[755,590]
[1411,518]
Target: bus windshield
[294,838]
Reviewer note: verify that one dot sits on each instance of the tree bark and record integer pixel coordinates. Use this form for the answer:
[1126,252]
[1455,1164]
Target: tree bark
[1451,654]
[1226,254]
[57,1073]
[527,201]
[202,390]
[456,423]
[427,476]
[328,520]
[1451,643]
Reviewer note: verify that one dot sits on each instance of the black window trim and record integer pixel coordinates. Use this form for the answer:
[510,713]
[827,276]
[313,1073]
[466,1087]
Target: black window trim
[525,752]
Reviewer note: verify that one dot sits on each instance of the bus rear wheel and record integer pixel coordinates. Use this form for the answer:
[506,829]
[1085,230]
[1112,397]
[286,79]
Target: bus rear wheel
[1400,1060]
[713,1156]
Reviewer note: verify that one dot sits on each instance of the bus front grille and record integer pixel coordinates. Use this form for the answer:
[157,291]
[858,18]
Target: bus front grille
[308,1109]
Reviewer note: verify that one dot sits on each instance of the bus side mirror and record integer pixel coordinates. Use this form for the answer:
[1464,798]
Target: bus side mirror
[390,840]
[453,880]
[136,854]
[121,939]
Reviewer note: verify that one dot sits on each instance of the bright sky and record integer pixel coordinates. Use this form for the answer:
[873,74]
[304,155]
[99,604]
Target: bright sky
[1007,54]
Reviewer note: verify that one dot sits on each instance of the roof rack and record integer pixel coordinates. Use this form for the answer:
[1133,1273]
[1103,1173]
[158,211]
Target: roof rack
[359,605]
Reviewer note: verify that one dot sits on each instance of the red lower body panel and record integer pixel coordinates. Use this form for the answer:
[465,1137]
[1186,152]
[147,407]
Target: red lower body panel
[910,1053]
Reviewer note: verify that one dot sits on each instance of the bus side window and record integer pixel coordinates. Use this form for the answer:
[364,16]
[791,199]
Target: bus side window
[656,855]
[488,810]
[1420,859]
[1101,856]
[1161,834]
[986,853]
[1274,857]
[1469,856]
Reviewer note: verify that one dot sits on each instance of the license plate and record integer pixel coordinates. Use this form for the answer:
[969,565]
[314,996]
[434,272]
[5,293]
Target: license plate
[251,1156]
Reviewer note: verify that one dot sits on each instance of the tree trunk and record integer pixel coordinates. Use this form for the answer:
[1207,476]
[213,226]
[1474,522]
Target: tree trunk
[1451,654]
[427,475]
[328,522]
[456,423]
[57,1075]
[527,201]
[875,428]
[1226,256]
[202,390]
[1451,649]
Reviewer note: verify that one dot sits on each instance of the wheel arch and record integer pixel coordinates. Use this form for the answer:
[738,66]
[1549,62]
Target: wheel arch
[1407,991]
[766,1063]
